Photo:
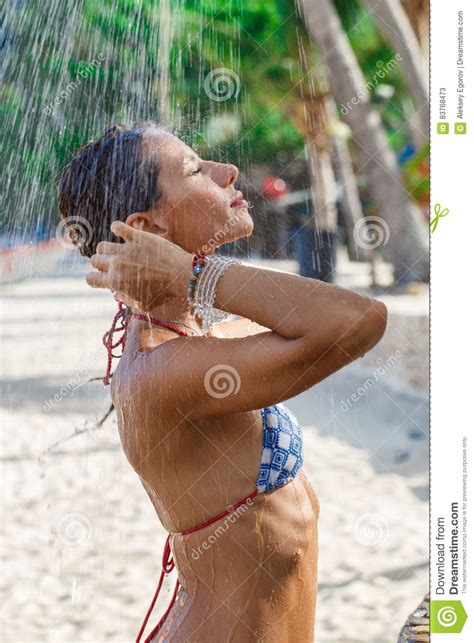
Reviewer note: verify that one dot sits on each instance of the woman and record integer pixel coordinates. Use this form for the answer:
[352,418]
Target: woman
[220,463]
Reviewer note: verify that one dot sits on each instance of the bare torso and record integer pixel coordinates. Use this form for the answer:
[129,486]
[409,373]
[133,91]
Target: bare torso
[196,453]
[252,578]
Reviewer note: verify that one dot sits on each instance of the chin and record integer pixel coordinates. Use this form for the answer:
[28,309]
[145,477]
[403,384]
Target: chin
[242,224]
[249,228]
[237,227]
[244,228]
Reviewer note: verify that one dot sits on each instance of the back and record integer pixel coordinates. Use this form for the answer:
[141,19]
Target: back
[190,469]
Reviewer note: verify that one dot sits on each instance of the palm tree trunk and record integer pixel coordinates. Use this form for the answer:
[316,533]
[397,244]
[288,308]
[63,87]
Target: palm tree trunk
[323,189]
[350,200]
[318,235]
[318,145]
[407,237]
[418,12]
[396,27]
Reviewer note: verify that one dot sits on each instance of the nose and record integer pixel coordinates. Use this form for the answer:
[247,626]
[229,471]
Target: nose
[224,174]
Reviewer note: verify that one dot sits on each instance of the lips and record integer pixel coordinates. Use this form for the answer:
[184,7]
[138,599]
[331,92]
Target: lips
[239,201]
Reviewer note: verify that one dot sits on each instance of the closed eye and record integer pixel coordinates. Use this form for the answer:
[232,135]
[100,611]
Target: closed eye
[197,170]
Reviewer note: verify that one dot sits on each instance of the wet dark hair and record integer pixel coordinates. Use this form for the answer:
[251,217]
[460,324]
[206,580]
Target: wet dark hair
[107,180]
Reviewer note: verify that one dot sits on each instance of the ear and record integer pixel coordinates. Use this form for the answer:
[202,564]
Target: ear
[150,221]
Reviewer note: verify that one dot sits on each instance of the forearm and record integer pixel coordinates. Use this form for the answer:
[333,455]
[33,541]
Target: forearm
[318,315]
[282,302]
[297,307]
[274,300]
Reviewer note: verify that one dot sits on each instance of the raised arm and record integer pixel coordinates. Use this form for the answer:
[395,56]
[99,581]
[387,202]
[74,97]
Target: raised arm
[314,329]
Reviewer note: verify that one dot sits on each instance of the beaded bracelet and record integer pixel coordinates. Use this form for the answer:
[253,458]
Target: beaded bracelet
[199,261]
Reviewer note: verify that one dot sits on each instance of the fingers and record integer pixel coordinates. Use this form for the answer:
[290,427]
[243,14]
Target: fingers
[105,280]
[121,229]
[101,262]
[109,247]
[99,280]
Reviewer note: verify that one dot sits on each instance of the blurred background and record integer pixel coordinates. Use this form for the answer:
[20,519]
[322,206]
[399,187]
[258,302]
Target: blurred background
[323,106]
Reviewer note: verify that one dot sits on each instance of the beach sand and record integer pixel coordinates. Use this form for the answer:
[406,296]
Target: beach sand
[81,544]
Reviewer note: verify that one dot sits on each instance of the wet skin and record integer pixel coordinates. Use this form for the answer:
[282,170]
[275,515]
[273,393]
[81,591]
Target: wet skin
[255,578]
[195,452]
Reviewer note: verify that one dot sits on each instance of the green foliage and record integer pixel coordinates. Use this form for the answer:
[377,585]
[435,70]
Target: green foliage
[417,175]
[374,53]
[75,67]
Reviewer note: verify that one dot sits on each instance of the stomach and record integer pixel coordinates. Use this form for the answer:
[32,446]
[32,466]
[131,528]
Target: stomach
[252,576]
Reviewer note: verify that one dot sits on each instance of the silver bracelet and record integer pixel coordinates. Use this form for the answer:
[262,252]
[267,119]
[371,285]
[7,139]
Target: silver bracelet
[205,291]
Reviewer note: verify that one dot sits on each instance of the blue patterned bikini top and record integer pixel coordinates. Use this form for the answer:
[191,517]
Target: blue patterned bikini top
[282,452]
[282,458]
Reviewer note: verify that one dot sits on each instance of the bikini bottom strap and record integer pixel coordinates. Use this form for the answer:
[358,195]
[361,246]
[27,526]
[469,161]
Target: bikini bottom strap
[167,564]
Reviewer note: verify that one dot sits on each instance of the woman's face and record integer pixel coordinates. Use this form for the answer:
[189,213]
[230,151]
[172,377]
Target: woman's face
[200,208]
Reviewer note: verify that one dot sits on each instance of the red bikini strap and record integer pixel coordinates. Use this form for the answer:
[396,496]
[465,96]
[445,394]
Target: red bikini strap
[124,312]
[167,325]
[155,630]
[167,565]
[226,512]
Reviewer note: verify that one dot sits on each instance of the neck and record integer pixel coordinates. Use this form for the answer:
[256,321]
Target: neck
[172,311]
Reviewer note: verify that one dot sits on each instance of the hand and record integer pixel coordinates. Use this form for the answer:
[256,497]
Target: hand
[146,270]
